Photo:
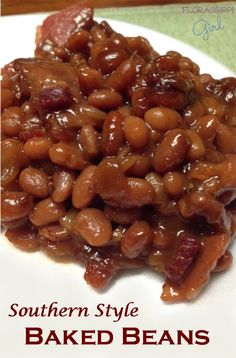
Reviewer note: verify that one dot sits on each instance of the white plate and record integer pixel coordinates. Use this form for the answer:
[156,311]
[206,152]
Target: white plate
[34,280]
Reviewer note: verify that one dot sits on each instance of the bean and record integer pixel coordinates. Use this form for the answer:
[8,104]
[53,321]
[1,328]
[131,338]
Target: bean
[110,181]
[163,119]
[46,212]
[174,183]
[162,238]
[7,98]
[14,224]
[213,106]
[58,248]
[63,182]
[207,126]
[193,112]
[156,181]
[68,220]
[122,216]
[136,239]
[54,233]
[139,193]
[109,60]
[139,44]
[168,208]
[15,205]
[106,28]
[24,238]
[171,151]
[12,159]
[122,77]
[105,99]
[118,41]
[136,165]
[203,204]
[158,258]
[68,155]
[98,34]
[112,133]
[93,226]
[84,188]
[38,147]
[89,79]
[197,148]
[78,41]
[35,182]
[12,153]
[125,110]
[225,139]
[95,116]
[136,132]
[12,118]
[89,140]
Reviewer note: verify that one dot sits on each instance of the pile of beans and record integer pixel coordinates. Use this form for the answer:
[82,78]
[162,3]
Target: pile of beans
[119,157]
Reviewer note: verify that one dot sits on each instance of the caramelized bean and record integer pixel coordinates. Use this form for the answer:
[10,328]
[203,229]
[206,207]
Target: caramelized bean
[207,126]
[54,233]
[136,239]
[78,41]
[93,226]
[122,77]
[109,60]
[162,238]
[46,212]
[122,216]
[12,118]
[63,182]
[24,238]
[15,205]
[89,79]
[136,165]
[67,221]
[136,132]
[7,98]
[35,182]
[105,99]
[197,148]
[156,181]
[89,140]
[174,183]
[58,248]
[92,115]
[38,147]
[203,204]
[171,152]
[158,258]
[14,224]
[110,181]
[112,133]
[12,159]
[225,139]
[84,188]
[163,119]
[68,155]
[139,193]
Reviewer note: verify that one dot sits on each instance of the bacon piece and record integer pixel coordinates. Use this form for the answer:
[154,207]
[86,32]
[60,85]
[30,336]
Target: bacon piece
[187,251]
[40,76]
[214,246]
[58,27]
